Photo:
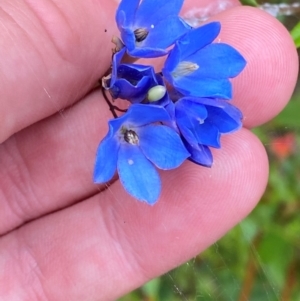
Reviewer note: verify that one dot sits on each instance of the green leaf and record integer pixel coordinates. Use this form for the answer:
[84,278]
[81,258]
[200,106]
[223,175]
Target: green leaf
[295,32]
[151,288]
[289,117]
[249,229]
[275,254]
[249,2]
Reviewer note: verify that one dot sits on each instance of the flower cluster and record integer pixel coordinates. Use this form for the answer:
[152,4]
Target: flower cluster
[174,115]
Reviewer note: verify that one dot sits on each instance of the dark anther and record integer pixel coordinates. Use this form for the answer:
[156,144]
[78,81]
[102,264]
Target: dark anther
[131,137]
[140,34]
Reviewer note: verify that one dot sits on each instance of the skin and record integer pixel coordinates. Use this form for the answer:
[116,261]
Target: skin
[64,238]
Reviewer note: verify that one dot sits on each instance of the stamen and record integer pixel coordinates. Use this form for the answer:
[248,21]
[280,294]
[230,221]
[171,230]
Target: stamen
[141,34]
[131,137]
[184,68]
[119,44]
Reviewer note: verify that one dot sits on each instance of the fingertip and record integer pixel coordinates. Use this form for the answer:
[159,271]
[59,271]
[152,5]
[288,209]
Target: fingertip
[194,12]
[233,185]
[265,86]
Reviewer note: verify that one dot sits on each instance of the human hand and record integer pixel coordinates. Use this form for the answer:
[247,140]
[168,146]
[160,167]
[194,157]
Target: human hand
[63,238]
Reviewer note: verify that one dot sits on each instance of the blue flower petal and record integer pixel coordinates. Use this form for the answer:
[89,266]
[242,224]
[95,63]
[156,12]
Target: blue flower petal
[128,38]
[146,52]
[187,129]
[218,61]
[106,159]
[165,32]
[196,39]
[132,82]
[170,108]
[171,62]
[162,146]
[186,124]
[115,64]
[226,120]
[121,19]
[126,12]
[140,114]
[200,154]
[137,174]
[116,123]
[135,94]
[135,71]
[208,134]
[157,10]
[205,87]
[226,117]
[190,109]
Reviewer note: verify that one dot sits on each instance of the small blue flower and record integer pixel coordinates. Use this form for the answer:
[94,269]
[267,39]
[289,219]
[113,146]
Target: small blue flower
[198,67]
[148,27]
[134,145]
[130,81]
[201,122]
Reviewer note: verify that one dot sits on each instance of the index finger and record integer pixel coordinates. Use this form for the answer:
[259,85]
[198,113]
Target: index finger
[52,53]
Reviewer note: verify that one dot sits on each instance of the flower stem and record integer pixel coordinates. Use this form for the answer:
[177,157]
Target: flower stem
[112,108]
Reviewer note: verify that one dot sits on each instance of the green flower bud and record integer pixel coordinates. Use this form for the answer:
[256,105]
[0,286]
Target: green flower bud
[156,93]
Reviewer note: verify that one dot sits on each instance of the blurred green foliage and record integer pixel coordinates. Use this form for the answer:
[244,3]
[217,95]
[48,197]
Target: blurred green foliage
[249,2]
[296,35]
[260,258]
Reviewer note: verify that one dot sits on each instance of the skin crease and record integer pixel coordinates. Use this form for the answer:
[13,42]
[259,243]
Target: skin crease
[63,238]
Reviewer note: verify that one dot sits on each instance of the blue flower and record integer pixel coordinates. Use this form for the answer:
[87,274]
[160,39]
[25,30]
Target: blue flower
[148,27]
[129,81]
[134,145]
[201,122]
[198,67]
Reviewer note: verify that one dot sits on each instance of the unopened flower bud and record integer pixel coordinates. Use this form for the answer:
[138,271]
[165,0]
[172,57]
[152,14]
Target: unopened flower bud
[156,93]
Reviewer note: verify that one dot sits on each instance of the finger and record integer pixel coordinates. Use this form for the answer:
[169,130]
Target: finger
[265,86]
[50,165]
[58,172]
[54,53]
[112,244]
[197,12]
